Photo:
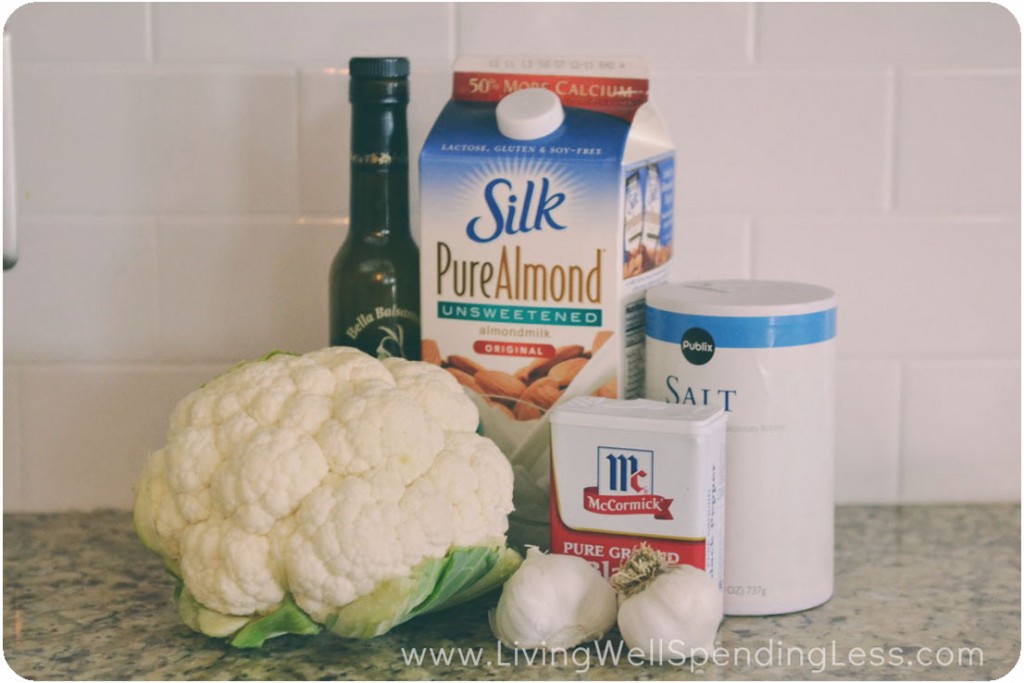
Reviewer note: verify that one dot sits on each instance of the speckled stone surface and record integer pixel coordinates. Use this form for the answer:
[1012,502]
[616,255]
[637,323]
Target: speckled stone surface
[916,588]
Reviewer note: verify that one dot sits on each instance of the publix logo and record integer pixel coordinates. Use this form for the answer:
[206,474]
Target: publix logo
[697,346]
[516,210]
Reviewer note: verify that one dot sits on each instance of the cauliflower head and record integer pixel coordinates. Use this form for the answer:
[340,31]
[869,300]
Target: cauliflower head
[328,489]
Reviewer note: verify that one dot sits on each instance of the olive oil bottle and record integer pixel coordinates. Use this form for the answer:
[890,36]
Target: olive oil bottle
[375,277]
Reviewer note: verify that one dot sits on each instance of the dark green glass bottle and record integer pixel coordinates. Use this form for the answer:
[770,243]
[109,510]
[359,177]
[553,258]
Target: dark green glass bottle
[375,276]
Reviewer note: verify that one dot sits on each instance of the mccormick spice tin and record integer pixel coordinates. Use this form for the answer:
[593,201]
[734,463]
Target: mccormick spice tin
[764,351]
[625,472]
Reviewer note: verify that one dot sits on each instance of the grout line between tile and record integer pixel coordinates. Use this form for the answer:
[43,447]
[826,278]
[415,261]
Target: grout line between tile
[44,367]
[23,442]
[19,435]
[863,215]
[297,112]
[993,361]
[748,247]
[753,17]
[901,439]
[453,28]
[157,286]
[889,150]
[984,71]
[147,14]
[314,218]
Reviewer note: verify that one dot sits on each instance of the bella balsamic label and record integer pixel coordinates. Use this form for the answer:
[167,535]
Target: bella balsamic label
[389,324]
[379,159]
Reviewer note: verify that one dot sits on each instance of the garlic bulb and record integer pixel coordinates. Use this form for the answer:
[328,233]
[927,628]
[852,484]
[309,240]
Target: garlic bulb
[669,612]
[553,602]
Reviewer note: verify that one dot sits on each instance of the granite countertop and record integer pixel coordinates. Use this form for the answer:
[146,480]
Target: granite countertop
[920,593]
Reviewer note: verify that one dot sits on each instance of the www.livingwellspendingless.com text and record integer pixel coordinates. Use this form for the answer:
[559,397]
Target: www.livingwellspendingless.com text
[771,654]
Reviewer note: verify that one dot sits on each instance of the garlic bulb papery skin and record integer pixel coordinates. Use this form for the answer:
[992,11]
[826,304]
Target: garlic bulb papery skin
[553,602]
[668,612]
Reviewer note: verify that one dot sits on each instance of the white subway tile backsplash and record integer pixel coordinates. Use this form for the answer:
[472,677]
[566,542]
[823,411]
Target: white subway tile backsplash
[867,431]
[12,439]
[750,141]
[709,248]
[142,139]
[320,33]
[226,141]
[325,119]
[232,289]
[667,34]
[84,289]
[325,116]
[961,437]
[905,287]
[83,140]
[183,182]
[86,430]
[937,34]
[78,32]
[959,142]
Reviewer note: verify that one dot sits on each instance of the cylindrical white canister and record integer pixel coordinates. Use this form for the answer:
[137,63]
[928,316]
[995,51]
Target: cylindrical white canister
[765,352]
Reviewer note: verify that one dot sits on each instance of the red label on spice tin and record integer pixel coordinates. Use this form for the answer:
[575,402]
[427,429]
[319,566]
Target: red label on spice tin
[628,472]
[607,551]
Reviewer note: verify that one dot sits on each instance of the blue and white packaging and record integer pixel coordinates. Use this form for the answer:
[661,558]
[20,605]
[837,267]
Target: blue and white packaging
[547,203]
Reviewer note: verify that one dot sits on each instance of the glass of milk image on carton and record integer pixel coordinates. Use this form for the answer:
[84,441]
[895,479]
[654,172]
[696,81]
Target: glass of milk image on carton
[633,230]
[652,210]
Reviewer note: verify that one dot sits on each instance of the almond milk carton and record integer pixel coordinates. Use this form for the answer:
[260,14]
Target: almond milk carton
[546,212]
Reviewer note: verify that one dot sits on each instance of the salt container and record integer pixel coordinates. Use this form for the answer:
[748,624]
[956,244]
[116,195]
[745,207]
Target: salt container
[765,352]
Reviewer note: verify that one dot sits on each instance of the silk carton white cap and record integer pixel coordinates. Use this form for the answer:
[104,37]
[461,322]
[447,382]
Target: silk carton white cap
[529,114]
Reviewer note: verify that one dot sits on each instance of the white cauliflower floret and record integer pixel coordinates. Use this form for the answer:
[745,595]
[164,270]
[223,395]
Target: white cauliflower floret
[437,391]
[330,480]
[275,471]
[471,463]
[228,569]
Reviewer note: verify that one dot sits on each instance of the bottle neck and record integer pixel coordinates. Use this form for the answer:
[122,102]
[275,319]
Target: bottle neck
[379,199]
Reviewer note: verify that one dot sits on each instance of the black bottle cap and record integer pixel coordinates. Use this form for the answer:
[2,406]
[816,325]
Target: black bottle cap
[378,80]
[378,67]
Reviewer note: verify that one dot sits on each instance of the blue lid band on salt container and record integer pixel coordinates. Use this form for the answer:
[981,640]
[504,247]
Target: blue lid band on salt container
[733,332]
[743,314]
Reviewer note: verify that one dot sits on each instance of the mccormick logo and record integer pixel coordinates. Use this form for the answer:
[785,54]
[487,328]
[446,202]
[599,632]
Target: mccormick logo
[624,485]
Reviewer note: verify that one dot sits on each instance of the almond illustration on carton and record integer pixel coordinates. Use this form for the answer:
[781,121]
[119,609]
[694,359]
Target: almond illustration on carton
[497,383]
[565,372]
[562,354]
[543,393]
[599,339]
[528,373]
[609,389]
[431,352]
[525,411]
[533,389]
[505,409]
[467,365]
[540,367]
[464,378]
